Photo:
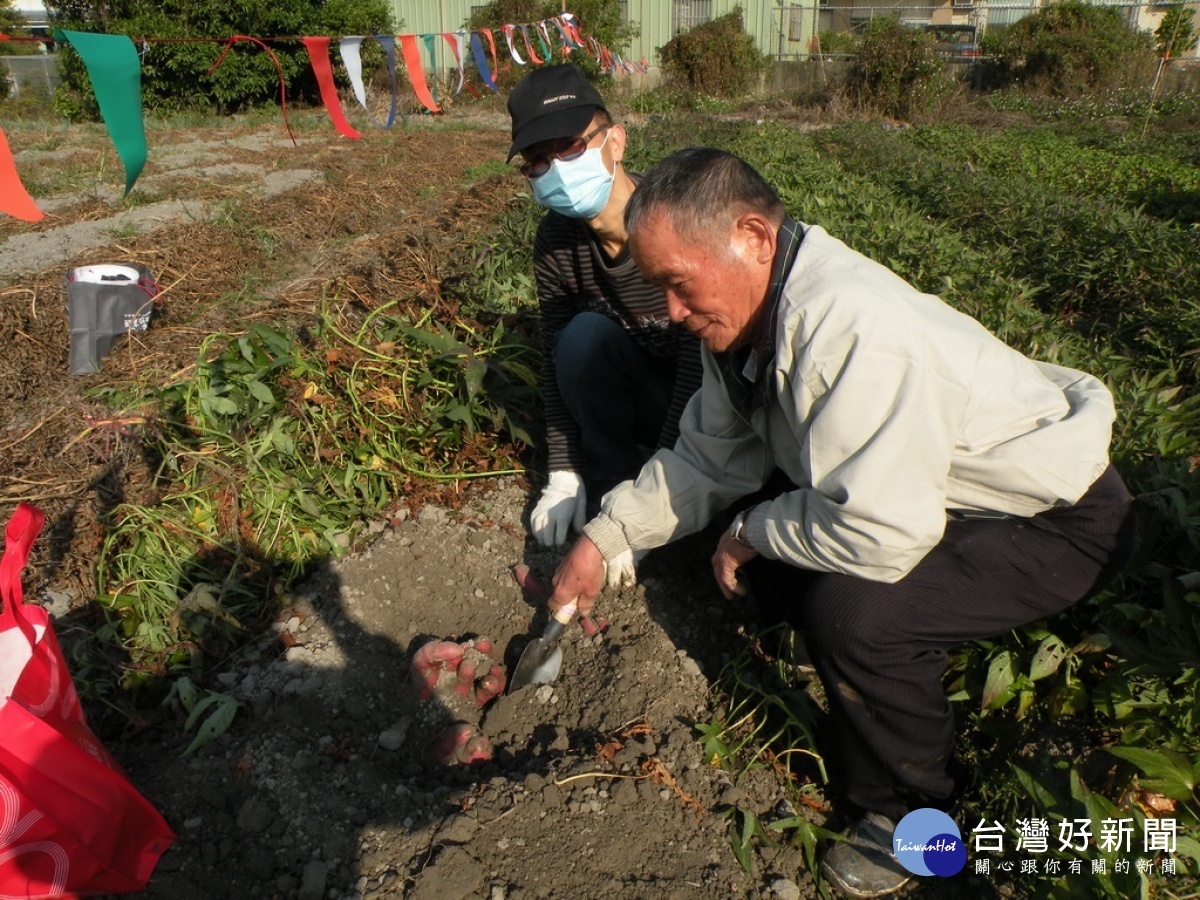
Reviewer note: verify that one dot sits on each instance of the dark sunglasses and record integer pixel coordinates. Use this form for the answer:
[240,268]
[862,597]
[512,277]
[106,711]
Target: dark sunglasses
[536,168]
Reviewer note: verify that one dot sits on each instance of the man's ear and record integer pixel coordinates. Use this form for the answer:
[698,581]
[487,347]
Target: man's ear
[756,235]
[616,140]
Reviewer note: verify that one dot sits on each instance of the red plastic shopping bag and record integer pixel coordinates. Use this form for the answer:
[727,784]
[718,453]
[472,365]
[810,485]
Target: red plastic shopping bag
[71,824]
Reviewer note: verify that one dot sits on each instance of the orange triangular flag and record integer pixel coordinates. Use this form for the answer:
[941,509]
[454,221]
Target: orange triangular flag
[416,72]
[14,199]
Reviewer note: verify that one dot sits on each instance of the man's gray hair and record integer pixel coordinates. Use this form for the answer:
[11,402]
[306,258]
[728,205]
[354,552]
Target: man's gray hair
[702,190]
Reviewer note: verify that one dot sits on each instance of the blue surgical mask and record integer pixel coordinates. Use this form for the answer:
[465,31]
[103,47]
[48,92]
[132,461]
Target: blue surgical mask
[578,188]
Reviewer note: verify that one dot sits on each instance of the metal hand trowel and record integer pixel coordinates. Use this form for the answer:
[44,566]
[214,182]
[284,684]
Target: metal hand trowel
[541,661]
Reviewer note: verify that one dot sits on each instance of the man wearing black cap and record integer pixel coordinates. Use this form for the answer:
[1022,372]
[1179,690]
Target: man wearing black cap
[616,372]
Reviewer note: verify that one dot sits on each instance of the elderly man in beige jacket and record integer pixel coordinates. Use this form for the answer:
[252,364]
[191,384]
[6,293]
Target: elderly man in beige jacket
[940,486]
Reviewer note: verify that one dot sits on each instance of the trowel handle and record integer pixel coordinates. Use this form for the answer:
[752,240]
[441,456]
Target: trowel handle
[559,620]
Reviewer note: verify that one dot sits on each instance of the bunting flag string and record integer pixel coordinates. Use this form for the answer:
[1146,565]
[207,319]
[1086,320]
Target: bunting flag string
[529,47]
[544,41]
[116,74]
[114,68]
[430,42]
[416,72]
[568,21]
[492,45]
[481,61]
[512,51]
[350,49]
[389,50]
[457,42]
[564,29]
[318,57]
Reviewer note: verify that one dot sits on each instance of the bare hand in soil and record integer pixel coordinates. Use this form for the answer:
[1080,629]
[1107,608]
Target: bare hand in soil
[579,578]
[532,584]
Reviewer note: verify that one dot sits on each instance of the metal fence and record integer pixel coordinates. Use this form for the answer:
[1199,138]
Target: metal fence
[26,73]
[801,29]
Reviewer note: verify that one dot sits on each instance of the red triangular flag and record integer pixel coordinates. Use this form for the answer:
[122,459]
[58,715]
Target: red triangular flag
[318,55]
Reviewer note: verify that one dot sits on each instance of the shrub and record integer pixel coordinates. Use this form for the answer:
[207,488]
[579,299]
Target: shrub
[895,69]
[653,102]
[1176,33]
[176,75]
[838,43]
[717,58]
[1069,48]
[34,100]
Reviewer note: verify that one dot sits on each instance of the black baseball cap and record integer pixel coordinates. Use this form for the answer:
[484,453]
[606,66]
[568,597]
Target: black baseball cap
[551,102]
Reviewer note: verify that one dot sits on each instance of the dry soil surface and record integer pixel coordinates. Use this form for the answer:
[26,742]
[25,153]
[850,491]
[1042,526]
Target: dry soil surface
[324,787]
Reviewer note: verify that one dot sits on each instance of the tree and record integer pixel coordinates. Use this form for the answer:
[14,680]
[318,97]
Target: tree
[1069,48]
[178,76]
[11,21]
[13,24]
[1176,33]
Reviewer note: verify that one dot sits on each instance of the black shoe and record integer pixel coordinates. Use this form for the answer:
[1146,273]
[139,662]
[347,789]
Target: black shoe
[863,865]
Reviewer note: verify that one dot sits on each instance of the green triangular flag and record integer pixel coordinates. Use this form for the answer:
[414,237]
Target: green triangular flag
[116,74]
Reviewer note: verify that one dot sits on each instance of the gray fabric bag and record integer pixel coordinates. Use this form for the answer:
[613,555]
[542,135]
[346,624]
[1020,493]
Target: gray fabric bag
[105,302]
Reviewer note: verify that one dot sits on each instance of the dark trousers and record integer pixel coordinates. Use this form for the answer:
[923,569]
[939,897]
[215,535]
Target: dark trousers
[617,395]
[881,649]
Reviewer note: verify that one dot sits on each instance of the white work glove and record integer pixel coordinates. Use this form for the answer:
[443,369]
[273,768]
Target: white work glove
[621,570]
[563,504]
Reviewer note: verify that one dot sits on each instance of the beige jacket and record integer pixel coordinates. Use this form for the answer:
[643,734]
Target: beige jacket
[889,409]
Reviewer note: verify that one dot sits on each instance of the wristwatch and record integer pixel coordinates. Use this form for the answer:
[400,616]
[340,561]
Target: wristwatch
[738,528]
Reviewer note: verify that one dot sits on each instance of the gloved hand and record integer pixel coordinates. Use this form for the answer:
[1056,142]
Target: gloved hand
[563,504]
[621,570]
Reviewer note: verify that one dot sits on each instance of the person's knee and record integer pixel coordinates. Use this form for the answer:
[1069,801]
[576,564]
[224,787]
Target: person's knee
[593,355]
[587,335]
[850,625]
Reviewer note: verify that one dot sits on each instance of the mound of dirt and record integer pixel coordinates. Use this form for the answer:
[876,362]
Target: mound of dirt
[324,786]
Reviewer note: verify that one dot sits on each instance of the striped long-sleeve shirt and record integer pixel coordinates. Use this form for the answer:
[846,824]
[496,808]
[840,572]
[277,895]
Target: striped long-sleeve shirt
[574,275]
